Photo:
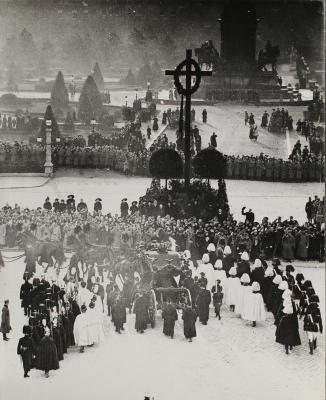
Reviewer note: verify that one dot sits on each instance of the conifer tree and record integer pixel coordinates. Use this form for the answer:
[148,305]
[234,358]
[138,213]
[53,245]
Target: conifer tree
[59,94]
[98,77]
[130,78]
[90,101]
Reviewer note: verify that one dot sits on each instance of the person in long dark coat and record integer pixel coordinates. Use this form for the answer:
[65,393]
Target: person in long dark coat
[26,349]
[266,285]
[189,317]
[141,311]
[243,266]
[47,359]
[288,246]
[5,321]
[25,297]
[228,260]
[169,315]
[203,301]
[58,341]
[119,315]
[287,331]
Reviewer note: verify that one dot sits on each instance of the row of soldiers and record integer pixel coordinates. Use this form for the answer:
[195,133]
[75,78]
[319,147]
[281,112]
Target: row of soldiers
[49,331]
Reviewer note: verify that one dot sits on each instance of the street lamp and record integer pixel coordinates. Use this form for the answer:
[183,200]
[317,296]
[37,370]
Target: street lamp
[126,97]
[48,166]
[136,94]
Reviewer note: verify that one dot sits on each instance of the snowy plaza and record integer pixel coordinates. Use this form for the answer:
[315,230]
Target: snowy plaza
[162,200]
[224,352]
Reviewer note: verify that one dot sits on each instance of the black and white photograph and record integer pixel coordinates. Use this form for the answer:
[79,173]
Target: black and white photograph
[162,199]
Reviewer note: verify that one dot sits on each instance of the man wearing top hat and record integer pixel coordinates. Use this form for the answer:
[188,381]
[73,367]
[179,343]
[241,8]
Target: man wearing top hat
[71,206]
[124,207]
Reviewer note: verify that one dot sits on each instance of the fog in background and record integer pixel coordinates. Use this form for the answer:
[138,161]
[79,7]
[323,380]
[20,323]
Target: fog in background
[39,37]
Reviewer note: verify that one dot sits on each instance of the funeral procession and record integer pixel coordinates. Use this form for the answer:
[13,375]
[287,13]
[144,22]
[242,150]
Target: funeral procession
[162,199]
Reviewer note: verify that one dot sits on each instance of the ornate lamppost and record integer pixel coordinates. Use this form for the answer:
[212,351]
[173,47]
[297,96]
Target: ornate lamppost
[48,166]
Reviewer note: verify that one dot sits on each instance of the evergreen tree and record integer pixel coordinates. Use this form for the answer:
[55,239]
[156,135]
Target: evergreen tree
[54,127]
[59,94]
[85,112]
[98,77]
[90,101]
[130,78]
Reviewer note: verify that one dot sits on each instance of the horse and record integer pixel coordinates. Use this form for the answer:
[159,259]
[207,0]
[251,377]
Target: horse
[268,57]
[208,55]
[50,252]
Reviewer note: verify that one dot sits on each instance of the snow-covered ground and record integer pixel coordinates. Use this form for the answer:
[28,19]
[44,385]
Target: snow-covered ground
[229,360]
[265,198]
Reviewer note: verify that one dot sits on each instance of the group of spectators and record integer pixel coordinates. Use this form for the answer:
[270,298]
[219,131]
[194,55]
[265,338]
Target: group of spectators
[17,121]
[161,215]
[302,166]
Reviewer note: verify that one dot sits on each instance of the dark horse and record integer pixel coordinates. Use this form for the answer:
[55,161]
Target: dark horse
[268,57]
[39,251]
[208,55]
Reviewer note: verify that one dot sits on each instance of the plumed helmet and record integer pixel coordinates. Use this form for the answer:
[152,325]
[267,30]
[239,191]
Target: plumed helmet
[255,287]
[269,271]
[233,271]
[286,293]
[283,285]
[245,256]
[299,277]
[245,278]
[314,299]
[218,264]
[289,268]
[276,262]
[227,250]
[277,280]
[307,284]
[205,258]
[211,247]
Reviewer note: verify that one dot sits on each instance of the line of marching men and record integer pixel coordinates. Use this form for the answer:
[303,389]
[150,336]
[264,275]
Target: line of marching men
[249,290]
[58,318]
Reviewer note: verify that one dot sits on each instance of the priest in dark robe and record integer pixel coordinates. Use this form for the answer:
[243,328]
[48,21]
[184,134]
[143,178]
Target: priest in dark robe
[189,323]
[47,359]
[169,315]
[141,311]
[203,301]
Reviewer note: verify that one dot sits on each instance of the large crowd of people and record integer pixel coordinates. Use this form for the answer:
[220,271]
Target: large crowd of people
[159,215]
[215,268]
[302,166]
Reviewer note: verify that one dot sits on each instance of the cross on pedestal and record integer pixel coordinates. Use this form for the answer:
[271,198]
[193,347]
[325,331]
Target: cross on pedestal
[188,63]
